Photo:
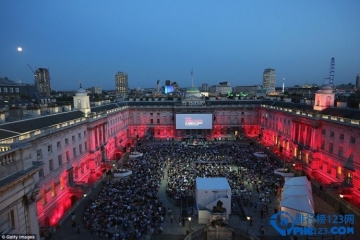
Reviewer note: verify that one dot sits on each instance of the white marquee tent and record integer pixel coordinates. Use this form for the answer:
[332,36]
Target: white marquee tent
[297,198]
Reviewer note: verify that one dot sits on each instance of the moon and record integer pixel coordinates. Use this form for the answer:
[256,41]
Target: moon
[19,49]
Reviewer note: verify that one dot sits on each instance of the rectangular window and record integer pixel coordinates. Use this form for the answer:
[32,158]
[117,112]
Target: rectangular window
[53,189]
[41,173]
[332,134]
[84,133]
[67,156]
[331,147]
[242,120]
[58,145]
[39,153]
[80,148]
[73,138]
[74,152]
[323,132]
[16,90]
[49,148]
[66,141]
[7,222]
[158,121]
[85,146]
[352,140]
[341,152]
[338,172]
[341,137]
[79,135]
[151,121]
[51,165]
[60,160]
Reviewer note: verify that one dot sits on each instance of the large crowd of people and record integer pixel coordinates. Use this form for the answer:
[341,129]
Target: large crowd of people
[129,208]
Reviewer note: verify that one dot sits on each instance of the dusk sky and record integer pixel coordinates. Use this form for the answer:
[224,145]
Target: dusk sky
[234,41]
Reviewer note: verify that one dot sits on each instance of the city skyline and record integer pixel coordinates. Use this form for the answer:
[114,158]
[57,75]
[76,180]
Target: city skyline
[230,41]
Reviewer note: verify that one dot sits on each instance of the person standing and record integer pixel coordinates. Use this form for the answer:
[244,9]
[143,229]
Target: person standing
[171,218]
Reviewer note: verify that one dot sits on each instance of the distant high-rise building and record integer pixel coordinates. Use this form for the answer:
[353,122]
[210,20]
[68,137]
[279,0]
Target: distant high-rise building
[358,81]
[167,83]
[121,84]
[269,77]
[42,81]
[205,87]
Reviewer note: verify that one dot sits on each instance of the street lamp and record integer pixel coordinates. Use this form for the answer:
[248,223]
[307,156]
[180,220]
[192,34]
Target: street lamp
[341,195]
[85,195]
[248,219]
[189,224]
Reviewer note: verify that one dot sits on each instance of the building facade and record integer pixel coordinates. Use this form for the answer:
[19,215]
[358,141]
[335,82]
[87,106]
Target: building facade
[121,84]
[42,81]
[57,158]
[269,79]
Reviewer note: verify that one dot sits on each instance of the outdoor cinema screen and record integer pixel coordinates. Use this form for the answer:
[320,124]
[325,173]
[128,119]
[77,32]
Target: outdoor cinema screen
[194,121]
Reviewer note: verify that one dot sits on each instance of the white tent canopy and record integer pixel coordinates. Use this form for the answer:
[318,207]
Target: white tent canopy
[297,197]
[297,181]
[297,190]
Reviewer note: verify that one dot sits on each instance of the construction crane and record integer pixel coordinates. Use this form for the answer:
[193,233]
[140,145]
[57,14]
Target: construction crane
[32,70]
[330,79]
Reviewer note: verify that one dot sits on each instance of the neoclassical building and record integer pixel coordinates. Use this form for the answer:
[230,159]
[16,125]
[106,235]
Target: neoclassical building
[48,163]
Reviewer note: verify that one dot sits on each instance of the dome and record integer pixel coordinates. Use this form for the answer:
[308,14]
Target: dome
[81,92]
[326,87]
[192,90]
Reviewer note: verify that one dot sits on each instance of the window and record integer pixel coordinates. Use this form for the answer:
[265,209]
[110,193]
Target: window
[49,148]
[84,133]
[41,173]
[341,137]
[80,148]
[62,185]
[341,151]
[39,153]
[338,172]
[73,138]
[11,90]
[331,147]
[51,165]
[58,145]
[158,121]
[67,156]
[348,179]
[16,90]
[79,136]
[352,140]
[74,152]
[5,90]
[151,121]
[7,222]
[242,120]
[66,141]
[43,196]
[60,160]
[332,134]
[151,114]
[85,146]
[53,189]
[323,132]
[158,113]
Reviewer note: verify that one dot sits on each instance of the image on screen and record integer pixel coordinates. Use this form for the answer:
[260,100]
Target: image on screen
[194,121]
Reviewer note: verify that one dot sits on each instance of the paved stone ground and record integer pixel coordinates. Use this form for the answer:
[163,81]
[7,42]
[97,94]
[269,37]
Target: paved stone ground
[172,231]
